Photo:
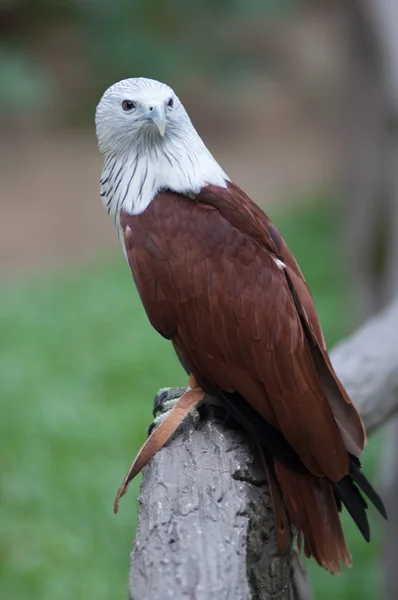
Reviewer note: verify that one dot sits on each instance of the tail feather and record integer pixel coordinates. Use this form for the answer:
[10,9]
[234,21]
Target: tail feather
[314,513]
[350,496]
[360,479]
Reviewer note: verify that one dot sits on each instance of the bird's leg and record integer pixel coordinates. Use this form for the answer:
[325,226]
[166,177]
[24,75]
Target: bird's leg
[167,398]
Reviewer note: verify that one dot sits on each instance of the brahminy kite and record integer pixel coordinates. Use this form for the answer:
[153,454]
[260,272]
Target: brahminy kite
[217,279]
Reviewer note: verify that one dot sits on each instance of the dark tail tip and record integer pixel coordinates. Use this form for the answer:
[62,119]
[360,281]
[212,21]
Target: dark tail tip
[360,479]
[349,495]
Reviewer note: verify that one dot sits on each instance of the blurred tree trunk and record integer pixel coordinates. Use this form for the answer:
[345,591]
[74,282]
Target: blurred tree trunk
[366,112]
[368,132]
[385,17]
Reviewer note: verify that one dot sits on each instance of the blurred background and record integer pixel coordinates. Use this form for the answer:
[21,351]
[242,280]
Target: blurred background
[298,101]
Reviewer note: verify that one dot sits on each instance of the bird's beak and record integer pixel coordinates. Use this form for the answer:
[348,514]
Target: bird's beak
[158,116]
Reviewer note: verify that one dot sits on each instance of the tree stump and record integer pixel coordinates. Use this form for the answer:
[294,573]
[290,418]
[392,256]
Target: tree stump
[206,528]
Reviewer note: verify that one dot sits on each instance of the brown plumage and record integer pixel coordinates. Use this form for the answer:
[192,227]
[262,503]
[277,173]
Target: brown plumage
[217,279]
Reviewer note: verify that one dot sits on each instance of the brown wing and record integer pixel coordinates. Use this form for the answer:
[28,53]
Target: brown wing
[208,279]
[248,217]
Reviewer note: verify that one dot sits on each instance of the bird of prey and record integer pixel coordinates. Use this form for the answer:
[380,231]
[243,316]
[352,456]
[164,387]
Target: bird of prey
[218,280]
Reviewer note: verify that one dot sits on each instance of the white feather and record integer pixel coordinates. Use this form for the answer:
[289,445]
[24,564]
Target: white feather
[279,263]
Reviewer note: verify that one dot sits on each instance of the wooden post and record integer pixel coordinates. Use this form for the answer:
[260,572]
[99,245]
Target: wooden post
[206,528]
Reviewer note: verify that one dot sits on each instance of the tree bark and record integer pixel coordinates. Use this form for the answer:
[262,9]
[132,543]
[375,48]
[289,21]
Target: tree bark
[206,529]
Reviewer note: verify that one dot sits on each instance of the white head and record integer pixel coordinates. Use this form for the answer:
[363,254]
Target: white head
[133,109]
[149,144]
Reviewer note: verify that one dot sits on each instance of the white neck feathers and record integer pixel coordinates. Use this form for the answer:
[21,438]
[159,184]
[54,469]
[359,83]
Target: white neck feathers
[131,180]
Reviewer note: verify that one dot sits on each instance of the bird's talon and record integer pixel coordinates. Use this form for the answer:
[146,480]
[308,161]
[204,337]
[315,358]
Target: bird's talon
[150,428]
[165,395]
[157,420]
[164,401]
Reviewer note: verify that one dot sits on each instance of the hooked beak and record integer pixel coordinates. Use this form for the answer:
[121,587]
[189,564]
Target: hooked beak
[158,116]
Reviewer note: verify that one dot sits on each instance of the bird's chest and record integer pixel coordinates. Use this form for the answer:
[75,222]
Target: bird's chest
[167,230]
[182,249]
[176,227]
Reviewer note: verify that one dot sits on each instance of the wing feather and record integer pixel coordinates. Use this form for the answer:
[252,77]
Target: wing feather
[248,217]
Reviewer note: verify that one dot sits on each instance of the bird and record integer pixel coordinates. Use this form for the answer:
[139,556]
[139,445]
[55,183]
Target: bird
[217,279]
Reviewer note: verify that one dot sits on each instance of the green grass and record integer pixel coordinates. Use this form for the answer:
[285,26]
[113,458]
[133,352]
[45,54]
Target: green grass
[79,366]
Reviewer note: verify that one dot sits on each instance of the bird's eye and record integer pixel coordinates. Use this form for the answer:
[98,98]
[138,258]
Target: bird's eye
[170,103]
[128,105]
